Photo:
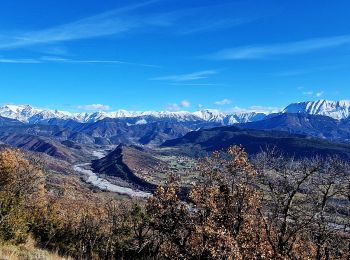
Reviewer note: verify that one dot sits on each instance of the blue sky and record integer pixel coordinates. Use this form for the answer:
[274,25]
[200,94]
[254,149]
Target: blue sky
[174,55]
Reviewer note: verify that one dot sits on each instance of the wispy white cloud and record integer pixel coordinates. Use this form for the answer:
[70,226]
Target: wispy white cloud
[113,62]
[319,94]
[20,61]
[49,59]
[212,16]
[113,22]
[94,107]
[223,102]
[217,24]
[109,23]
[276,50]
[196,84]
[313,93]
[256,109]
[185,103]
[119,21]
[53,59]
[309,93]
[95,61]
[187,77]
[172,107]
[177,107]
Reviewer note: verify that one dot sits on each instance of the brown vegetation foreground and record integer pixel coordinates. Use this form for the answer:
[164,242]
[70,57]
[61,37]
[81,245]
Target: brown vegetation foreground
[273,208]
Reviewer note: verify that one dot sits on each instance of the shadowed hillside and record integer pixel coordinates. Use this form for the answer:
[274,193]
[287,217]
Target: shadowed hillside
[254,141]
[312,125]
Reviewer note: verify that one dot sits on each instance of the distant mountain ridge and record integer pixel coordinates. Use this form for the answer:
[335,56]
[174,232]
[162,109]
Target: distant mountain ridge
[318,126]
[197,143]
[29,114]
[25,113]
[63,134]
[321,119]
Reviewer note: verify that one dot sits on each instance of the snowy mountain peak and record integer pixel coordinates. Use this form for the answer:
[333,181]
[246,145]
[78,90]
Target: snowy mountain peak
[16,107]
[335,109]
[211,115]
[29,114]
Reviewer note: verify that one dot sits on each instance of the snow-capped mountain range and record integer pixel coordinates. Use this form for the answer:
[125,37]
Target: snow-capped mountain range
[335,109]
[28,114]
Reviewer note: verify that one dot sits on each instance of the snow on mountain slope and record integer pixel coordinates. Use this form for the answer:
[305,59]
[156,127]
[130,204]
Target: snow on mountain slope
[246,117]
[21,113]
[211,115]
[335,109]
[29,114]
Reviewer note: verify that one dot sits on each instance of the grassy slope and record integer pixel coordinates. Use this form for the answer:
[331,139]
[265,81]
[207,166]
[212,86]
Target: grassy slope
[10,252]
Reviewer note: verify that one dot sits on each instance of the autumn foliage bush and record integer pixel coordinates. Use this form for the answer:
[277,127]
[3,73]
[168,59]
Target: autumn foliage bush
[270,208]
[220,219]
[21,194]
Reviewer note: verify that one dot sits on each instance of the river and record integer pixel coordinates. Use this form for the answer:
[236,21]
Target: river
[104,184]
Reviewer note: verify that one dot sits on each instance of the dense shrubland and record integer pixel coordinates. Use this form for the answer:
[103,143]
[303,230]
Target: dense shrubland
[269,207]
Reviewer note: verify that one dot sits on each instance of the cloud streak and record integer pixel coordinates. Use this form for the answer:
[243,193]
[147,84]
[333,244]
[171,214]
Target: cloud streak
[185,103]
[217,24]
[311,93]
[109,23]
[223,102]
[256,109]
[64,60]
[197,84]
[283,49]
[308,93]
[19,61]
[177,107]
[212,17]
[187,77]
[319,94]
[124,19]
[94,107]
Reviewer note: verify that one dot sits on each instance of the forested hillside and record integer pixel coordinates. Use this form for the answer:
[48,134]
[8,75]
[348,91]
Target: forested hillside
[272,207]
